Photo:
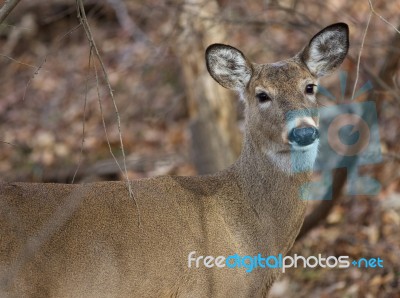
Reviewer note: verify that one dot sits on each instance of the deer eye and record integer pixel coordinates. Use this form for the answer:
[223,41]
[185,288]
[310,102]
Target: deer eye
[310,89]
[263,97]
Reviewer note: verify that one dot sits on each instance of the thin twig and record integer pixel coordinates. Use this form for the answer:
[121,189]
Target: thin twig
[7,7]
[84,119]
[83,20]
[371,7]
[102,118]
[19,62]
[39,68]
[34,75]
[69,32]
[8,143]
[359,55]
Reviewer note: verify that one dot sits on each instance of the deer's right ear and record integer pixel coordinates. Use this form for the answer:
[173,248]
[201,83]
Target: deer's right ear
[228,66]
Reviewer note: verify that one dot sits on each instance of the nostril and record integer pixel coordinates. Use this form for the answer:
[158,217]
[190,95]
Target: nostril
[303,136]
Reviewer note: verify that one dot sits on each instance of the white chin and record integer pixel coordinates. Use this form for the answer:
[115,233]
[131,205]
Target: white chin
[298,159]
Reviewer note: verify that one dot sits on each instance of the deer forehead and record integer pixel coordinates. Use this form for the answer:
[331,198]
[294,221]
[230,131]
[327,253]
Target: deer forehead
[281,77]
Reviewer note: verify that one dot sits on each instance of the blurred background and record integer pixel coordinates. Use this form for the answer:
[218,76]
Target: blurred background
[176,120]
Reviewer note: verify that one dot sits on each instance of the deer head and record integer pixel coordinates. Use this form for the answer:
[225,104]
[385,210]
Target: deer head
[271,90]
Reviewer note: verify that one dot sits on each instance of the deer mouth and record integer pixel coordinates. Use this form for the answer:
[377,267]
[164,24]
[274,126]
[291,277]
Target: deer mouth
[284,151]
[294,147]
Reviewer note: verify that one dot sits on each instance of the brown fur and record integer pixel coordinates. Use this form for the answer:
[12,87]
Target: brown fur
[84,240]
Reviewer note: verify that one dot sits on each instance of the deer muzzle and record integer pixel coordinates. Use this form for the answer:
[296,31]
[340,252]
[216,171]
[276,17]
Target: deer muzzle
[303,136]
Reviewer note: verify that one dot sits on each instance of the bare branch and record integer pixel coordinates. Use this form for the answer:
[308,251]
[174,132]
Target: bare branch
[83,20]
[37,70]
[7,8]
[19,62]
[8,143]
[371,7]
[359,54]
[83,120]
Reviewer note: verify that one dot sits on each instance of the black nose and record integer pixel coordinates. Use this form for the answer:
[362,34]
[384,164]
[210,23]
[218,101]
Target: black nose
[303,136]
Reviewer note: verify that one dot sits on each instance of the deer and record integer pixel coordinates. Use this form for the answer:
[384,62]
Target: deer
[84,240]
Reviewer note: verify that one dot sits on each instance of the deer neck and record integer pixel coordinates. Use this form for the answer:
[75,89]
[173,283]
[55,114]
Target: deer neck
[273,194]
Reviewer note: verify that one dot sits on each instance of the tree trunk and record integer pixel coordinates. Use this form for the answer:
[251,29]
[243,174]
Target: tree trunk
[215,135]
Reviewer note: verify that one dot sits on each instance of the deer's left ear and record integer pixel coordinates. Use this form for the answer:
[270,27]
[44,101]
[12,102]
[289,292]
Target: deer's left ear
[326,50]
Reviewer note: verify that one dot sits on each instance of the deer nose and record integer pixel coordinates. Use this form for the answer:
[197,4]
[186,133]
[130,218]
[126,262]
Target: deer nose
[303,136]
